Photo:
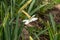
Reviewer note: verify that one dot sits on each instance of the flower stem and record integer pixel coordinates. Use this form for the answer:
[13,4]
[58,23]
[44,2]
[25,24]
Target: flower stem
[25,5]
[26,14]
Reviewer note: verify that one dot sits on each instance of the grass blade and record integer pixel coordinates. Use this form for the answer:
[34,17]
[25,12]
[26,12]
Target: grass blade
[31,6]
[16,29]
[50,31]
[37,8]
[52,21]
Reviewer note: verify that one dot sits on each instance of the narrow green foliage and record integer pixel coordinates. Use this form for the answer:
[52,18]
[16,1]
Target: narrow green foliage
[37,8]
[22,2]
[31,6]
[52,21]
[50,31]
[11,18]
[53,25]
[5,19]
[16,29]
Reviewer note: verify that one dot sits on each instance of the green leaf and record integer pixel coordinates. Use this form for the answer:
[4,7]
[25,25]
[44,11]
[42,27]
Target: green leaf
[57,1]
[50,31]
[52,22]
[31,6]
[16,29]
[37,8]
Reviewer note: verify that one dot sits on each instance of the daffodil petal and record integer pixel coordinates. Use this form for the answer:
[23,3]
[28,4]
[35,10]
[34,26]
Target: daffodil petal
[33,16]
[27,22]
[30,20]
[33,19]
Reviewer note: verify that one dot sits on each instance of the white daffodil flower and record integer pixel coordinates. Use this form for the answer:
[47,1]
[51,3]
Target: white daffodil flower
[30,20]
